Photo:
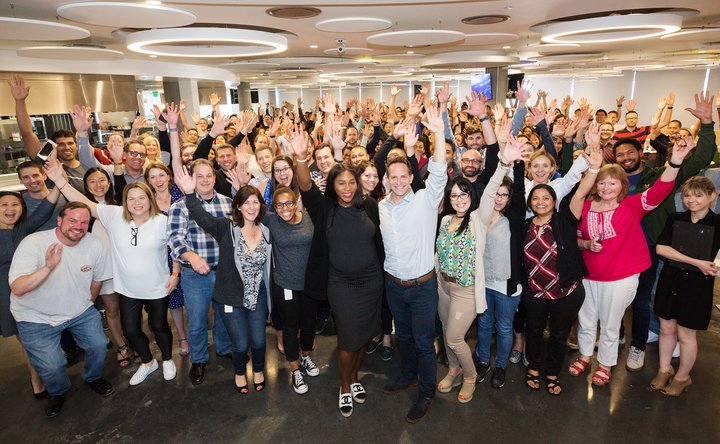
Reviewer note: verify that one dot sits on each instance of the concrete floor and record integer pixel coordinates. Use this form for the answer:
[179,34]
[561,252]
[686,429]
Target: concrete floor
[159,411]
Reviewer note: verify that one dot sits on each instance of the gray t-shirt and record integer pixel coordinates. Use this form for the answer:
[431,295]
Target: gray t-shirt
[32,204]
[290,250]
[65,294]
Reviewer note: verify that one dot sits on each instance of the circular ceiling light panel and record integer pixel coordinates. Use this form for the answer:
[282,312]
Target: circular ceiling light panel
[613,28]
[348,51]
[136,15]
[469,59]
[24,29]
[293,12]
[490,38]
[416,38]
[206,42]
[70,53]
[353,24]
[485,19]
[690,34]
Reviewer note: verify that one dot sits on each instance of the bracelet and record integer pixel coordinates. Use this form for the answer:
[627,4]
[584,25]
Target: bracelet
[61,186]
[674,165]
[506,165]
[301,160]
[117,163]
[670,107]
[593,170]
[172,130]
[175,273]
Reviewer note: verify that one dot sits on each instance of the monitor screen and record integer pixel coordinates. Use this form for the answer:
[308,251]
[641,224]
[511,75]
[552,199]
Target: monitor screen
[480,83]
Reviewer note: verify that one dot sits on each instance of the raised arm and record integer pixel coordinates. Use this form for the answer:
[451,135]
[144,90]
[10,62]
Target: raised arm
[30,282]
[20,92]
[211,224]
[595,159]
[299,143]
[171,115]
[54,172]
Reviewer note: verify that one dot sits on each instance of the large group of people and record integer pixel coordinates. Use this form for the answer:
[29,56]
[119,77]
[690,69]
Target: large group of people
[419,219]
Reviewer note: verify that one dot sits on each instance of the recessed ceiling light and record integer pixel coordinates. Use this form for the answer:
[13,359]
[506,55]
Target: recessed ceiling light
[293,12]
[153,56]
[506,47]
[313,46]
[613,28]
[485,19]
[411,52]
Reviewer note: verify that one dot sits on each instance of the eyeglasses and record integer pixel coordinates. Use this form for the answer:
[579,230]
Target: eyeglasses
[133,239]
[461,196]
[136,154]
[475,161]
[281,205]
[502,195]
[282,170]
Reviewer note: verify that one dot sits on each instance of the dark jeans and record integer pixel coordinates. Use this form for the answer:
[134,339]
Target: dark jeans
[520,318]
[641,306]
[415,310]
[247,330]
[131,320]
[296,314]
[386,319]
[562,314]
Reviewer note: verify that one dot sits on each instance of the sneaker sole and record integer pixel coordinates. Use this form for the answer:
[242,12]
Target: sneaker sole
[300,392]
[633,369]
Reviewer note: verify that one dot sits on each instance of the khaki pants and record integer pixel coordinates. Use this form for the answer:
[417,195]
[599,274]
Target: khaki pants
[456,307]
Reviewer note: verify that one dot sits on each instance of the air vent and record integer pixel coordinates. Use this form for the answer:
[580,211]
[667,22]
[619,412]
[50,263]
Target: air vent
[485,19]
[293,12]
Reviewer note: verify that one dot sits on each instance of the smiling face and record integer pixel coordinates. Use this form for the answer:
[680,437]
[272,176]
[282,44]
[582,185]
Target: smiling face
[66,148]
[345,187]
[696,200]
[158,179]
[608,189]
[250,209]
[357,155]
[470,163]
[10,211]
[151,149]
[542,202]
[285,206]
[541,169]
[204,180]
[631,119]
[324,160]
[460,200]
[264,159]
[33,179]
[135,158]
[98,185]
[606,132]
[628,157]
[138,203]
[225,157]
[282,172]
[400,178]
[369,180]
[501,198]
[73,225]
[262,142]
[475,141]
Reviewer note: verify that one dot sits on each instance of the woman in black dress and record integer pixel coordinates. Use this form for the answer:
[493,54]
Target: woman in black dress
[345,263]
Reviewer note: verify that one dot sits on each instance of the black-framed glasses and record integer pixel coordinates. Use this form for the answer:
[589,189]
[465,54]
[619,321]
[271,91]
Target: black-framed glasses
[281,205]
[474,161]
[502,195]
[459,196]
[136,154]
[282,170]
[133,238]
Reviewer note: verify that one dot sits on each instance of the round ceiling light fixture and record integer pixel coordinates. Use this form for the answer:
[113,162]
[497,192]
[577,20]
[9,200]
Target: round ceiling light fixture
[206,42]
[12,28]
[122,14]
[612,28]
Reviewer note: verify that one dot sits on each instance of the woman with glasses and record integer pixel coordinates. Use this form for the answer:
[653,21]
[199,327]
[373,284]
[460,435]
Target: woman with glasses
[140,271]
[460,252]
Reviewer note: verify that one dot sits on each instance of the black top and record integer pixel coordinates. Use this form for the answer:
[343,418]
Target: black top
[350,236]
[710,220]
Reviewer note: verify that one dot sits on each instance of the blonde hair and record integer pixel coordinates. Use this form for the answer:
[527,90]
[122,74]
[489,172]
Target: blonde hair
[145,188]
[700,184]
[535,155]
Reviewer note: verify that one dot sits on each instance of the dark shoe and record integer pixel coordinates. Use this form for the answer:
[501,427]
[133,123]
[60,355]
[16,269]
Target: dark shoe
[42,395]
[197,372]
[373,345]
[226,355]
[101,386]
[399,385]
[498,378]
[482,371]
[320,325]
[386,353]
[54,405]
[418,410]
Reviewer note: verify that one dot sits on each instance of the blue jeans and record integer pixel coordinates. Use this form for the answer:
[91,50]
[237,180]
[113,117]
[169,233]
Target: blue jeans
[42,343]
[415,310]
[499,314]
[198,290]
[642,305]
[247,329]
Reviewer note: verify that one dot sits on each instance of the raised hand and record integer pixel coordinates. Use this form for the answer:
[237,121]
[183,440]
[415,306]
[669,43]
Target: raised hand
[443,94]
[435,123]
[52,167]
[498,111]
[139,122]
[299,103]
[394,90]
[514,150]
[523,92]
[567,102]
[477,104]
[171,113]
[157,112]
[298,141]
[185,180]
[400,128]
[116,148]
[411,138]
[661,103]
[416,105]
[505,128]
[619,101]
[195,117]
[630,105]
[183,105]
[681,149]
[703,107]
[53,255]
[239,176]
[592,136]
[219,125]
[536,115]
[551,115]
[542,94]
[82,120]
[670,100]
[328,105]
[18,89]
[376,115]
[214,99]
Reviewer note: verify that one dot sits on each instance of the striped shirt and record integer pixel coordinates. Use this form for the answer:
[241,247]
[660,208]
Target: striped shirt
[640,133]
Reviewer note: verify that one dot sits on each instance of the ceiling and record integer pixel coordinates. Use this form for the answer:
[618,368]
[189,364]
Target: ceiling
[381,40]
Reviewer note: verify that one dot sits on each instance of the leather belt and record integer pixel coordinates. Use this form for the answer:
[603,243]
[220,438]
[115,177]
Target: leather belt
[213,268]
[412,282]
[447,278]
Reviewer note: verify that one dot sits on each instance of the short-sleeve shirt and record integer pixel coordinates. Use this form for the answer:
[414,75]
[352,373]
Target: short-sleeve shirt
[139,255]
[65,294]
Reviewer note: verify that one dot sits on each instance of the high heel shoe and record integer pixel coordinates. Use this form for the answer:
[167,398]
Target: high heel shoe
[466,392]
[677,388]
[660,381]
[449,382]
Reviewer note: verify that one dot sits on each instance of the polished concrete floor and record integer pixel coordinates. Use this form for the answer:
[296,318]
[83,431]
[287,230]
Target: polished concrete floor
[178,412]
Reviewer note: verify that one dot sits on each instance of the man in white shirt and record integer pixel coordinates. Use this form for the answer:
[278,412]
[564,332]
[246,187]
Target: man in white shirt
[54,277]
[408,222]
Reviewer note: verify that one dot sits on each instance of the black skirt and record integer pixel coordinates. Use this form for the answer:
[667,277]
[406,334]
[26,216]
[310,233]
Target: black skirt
[685,296]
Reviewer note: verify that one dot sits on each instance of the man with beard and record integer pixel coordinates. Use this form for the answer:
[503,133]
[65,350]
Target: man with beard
[628,154]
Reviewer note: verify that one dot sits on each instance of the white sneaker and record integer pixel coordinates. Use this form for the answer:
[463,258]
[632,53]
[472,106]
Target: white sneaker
[309,366]
[169,370]
[676,352]
[298,382]
[635,360]
[143,372]
[652,337]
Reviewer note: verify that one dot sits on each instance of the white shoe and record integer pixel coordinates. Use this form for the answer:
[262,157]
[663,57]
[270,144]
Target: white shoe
[635,360]
[676,352]
[652,337]
[358,393]
[143,372]
[345,403]
[298,382]
[309,366]
[169,370]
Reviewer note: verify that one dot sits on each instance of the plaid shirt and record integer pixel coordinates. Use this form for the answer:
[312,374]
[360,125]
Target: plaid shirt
[185,235]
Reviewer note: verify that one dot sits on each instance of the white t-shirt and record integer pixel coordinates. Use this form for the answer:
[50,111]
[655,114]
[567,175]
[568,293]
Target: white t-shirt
[101,233]
[65,294]
[139,264]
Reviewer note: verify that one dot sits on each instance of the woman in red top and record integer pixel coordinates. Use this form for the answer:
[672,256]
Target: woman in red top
[614,250]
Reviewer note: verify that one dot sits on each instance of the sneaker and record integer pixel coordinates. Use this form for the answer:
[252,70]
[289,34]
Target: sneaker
[418,410]
[652,337]
[143,372]
[298,382]
[635,360]
[498,378]
[169,370]
[373,345]
[482,371]
[320,325]
[525,361]
[386,353]
[309,366]
[515,356]
[101,386]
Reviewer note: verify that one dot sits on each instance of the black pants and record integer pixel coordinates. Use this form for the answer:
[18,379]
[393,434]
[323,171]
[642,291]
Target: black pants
[386,319]
[561,314]
[298,313]
[131,320]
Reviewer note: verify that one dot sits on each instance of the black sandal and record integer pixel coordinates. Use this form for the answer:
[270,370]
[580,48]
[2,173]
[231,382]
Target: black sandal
[529,377]
[551,385]
[123,351]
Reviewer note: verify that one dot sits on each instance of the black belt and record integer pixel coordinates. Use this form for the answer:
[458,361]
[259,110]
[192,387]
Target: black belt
[213,268]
